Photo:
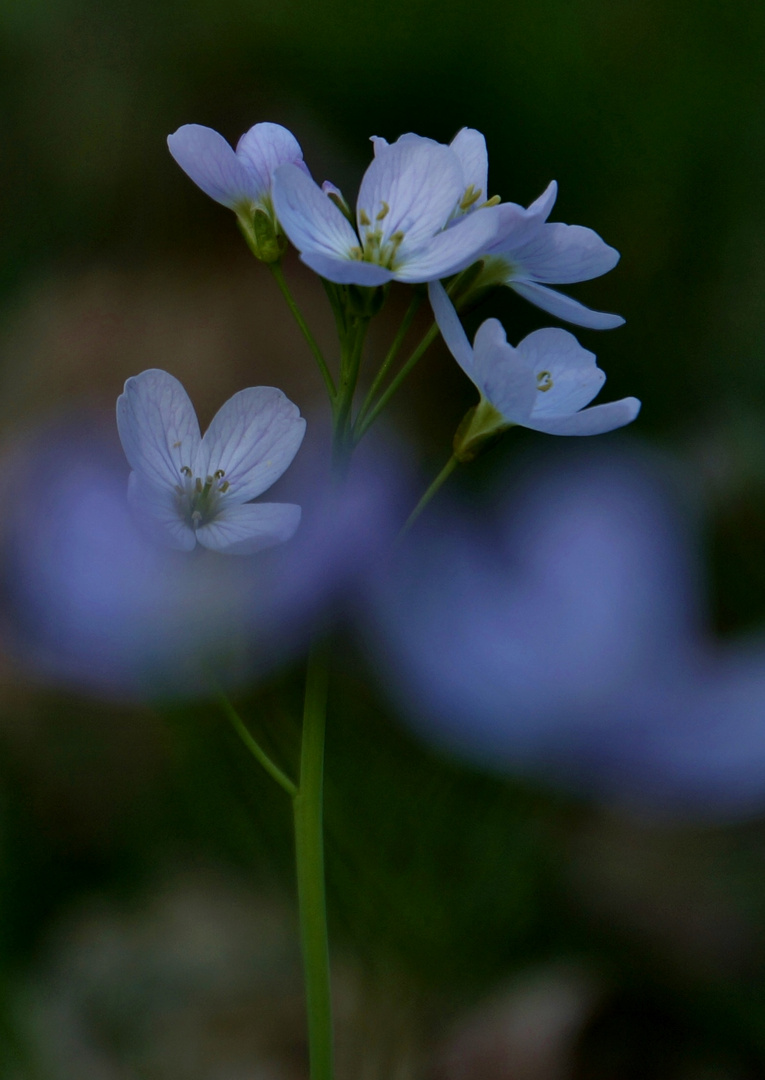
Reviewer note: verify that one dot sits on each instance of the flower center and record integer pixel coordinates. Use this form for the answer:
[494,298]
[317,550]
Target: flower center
[544,381]
[198,501]
[376,247]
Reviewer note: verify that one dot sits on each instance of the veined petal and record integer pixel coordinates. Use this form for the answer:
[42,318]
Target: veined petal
[451,328]
[158,427]
[157,512]
[596,420]
[207,158]
[570,372]
[520,225]
[245,529]
[451,250]
[420,183]
[564,307]
[347,271]
[267,146]
[503,373]
[309,217]
[564,254]
[470,147]
[542,206]
[252,438]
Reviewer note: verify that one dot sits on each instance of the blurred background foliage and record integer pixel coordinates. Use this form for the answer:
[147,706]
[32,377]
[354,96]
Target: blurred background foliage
[139,847]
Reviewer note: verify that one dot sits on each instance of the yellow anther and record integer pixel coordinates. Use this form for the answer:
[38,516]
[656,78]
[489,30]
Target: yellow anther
[471,196]
[219,474]
[185,470]
[176,444]
[356,253]
[225,486]
[544,381]
[197,485]
[364,218]
[495,200]
[383,212]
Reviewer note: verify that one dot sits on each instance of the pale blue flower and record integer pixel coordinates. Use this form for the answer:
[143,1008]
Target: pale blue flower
[543,384]
[240,179]
[404,217]
[528,253]
[194,489]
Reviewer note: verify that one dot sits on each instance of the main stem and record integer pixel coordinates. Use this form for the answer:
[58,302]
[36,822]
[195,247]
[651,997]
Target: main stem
[309,856]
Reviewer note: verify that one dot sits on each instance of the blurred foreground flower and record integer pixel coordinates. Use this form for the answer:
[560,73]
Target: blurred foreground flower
[91,601]
[563,639]
[193,488]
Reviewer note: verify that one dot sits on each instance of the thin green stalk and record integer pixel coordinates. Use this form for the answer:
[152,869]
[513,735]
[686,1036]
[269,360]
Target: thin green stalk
[393,352]
[255,748]
[393,386]
[309,859]
[349,373]
[439,481]
[313,345]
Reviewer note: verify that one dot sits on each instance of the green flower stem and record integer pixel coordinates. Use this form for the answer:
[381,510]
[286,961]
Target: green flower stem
[309,857]
[382,401]
[255,748]
[439,481]
[329,382]
[352,348]
[393,352]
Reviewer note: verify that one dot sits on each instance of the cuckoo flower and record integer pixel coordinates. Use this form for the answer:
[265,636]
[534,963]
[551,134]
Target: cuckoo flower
[406,201]
[240,179]
[543,384]
[199,489]
[528,253]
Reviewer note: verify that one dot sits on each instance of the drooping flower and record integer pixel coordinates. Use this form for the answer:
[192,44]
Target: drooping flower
[198,489]
[543,384]
[404,217]
[528,253]
[241,179]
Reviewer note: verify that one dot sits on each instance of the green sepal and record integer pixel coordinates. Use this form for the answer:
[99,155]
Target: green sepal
[365,301]
[480,428]
[263,238]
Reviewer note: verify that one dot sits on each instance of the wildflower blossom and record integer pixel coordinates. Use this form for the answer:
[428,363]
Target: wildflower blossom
[196,489]
[406,201]
[543,384]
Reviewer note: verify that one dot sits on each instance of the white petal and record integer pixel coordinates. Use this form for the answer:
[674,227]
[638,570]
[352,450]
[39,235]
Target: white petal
[245,529]
[452,250]
[309,217]
[519,225]
[265,147]
[503,374]
[207,158]
[564,254]
[420,181]
[347,271]
[542,206]
[157,512]
[252,438]
[593,421]
[470,147]
[158,427]
[451,328]
[564,307]
[574,375]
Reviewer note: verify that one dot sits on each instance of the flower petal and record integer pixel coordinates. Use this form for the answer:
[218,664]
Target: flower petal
[519,224]
[420,183]
[564,254]
[158,427]
[593,421]
[157,512]
[470,147]
[347,271]
[264,148]
[572,374]
[451,250]
[451,328]
[207,158]
[252,438]
[309,217]
[504,374]
[245,529]
[564,307]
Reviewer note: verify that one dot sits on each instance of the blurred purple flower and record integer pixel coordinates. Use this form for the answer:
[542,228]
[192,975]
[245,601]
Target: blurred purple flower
[91,601]
[198,489]
[564,639]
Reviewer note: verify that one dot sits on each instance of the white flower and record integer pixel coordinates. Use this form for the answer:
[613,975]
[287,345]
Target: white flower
[199,489]
[543,384]
[404,217]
